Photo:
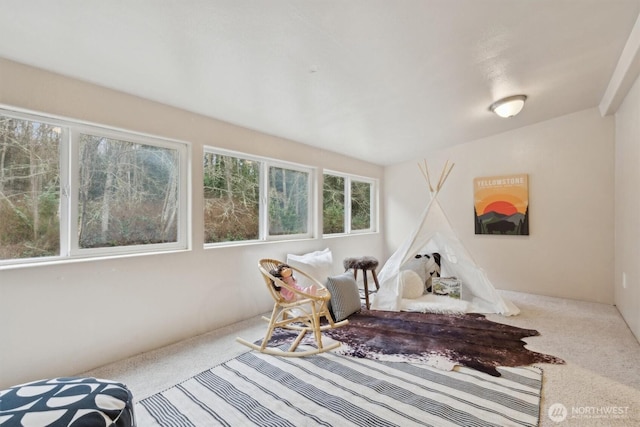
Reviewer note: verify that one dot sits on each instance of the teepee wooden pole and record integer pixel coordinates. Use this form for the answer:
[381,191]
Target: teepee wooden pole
[446,170]
[426,168]
[425,174]
[447,174]
[440,181]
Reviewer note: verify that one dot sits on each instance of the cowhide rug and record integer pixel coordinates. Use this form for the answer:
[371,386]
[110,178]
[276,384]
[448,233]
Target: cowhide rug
[439,340]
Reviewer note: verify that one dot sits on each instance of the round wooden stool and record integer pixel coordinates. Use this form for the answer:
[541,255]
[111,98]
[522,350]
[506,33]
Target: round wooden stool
[365,263]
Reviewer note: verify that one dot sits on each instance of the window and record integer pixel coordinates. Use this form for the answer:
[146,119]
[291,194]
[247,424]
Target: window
[349,204]
[249,198]
[288,201]
[231,198]
[360,205]
[29,188]
[333,208]
[121,192]
[128,193]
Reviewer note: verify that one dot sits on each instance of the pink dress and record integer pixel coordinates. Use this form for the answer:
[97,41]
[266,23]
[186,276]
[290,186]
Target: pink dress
[289,295]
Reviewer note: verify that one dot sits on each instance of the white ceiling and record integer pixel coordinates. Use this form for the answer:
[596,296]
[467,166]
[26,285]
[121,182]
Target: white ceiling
[380,80]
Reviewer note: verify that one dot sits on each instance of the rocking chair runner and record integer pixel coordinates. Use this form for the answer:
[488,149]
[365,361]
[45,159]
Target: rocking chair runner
[303,314]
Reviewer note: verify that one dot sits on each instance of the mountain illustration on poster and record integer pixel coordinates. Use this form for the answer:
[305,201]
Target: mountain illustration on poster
[501,205]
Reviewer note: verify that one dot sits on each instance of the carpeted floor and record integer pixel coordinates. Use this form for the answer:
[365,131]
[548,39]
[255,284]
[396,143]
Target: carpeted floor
[598,386]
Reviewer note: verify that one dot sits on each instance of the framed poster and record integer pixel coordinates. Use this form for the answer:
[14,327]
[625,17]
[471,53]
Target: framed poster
[501,205]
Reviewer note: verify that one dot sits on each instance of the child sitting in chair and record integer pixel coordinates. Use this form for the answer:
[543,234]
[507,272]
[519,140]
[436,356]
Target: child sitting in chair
[285,273]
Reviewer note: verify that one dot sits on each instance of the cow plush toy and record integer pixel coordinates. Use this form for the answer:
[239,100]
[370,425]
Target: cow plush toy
[427,266]
[432,267]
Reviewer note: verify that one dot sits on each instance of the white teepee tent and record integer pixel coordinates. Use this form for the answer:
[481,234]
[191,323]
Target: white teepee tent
[434,233]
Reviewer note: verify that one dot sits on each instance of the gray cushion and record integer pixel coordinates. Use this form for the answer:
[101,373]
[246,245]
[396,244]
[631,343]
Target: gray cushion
[345,298]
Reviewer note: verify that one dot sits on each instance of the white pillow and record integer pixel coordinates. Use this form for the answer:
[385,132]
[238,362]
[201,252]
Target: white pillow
[417,265]
[316,264]
[412,286]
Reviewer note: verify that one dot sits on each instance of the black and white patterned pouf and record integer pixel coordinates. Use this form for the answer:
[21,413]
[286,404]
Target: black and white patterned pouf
[68,402]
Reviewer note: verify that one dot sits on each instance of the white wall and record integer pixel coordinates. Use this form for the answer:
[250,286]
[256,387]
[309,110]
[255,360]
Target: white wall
[570,159]
[68,317]
[627,208]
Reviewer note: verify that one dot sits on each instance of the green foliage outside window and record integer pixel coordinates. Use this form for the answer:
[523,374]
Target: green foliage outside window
[333,204]
[360,205]
[232,188]
[29,189]
[288,201]
[125,193]
[336,198]
[128,193]
[232,195]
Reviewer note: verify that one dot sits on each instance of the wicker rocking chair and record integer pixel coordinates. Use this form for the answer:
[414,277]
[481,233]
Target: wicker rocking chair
[302,315]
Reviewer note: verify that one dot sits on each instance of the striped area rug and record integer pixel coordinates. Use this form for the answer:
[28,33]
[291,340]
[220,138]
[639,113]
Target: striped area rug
[333,390]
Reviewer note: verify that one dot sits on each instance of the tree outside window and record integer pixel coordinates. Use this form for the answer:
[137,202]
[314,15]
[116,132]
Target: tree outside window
[128,193]
[29,189]
[119,194]
[360,205]
[253,199]
[231,198]
[347,204]
[288,201]
[333,209]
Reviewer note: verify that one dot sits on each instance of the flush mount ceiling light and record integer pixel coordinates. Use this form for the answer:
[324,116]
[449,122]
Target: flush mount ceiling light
[509,106]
